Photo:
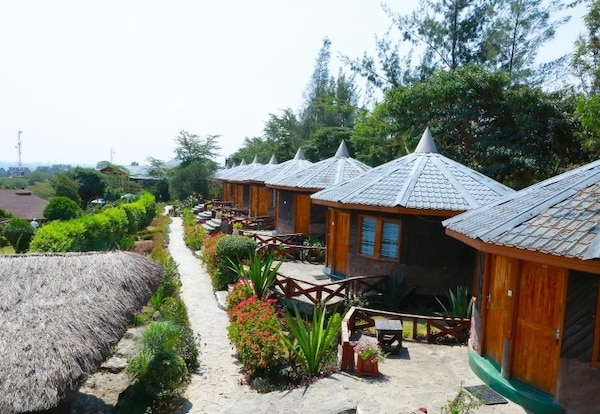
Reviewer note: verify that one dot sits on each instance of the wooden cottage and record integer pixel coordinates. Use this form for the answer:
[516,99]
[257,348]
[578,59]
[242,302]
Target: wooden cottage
[294,211]
[237,184]
[536,322]
[262,198]
[226,186]
[387,221]
[61,314]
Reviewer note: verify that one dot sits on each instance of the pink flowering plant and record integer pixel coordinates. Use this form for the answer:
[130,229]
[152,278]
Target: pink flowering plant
[370,351]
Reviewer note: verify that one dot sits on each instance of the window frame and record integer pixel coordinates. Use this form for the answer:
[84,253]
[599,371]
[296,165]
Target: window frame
[379,221]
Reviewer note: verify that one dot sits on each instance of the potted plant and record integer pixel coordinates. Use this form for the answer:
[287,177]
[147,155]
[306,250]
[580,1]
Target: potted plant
[237,226]
[368,356]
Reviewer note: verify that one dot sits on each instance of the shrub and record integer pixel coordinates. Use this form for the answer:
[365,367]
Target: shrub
[162,367]
[194,236]
[174,309]
[313,345]
[59,236]
[261,273]
[232,249]
[460,303]
[254,330]
[241,292]
[19,233]
[62,208]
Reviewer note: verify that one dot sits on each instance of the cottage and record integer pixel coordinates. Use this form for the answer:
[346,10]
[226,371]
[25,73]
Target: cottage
[264,199]
[387,221]
[22,204]
[60,315]
[294,211]
[535,333]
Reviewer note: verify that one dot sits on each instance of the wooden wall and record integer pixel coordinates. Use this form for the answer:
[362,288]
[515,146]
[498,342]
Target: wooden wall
[429,259]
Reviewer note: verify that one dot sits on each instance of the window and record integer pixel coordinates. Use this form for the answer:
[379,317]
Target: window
[379,238]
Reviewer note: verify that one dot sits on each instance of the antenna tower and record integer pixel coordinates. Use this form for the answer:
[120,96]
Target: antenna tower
[18,147]
[112,153]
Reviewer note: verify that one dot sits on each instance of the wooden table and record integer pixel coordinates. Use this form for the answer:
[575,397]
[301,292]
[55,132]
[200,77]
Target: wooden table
[389,334]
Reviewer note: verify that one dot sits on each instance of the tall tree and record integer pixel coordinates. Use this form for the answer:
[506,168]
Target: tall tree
[91,183]
[586,56]
[515,134]
[194,174]
[284,132]
[448,34]
[190,147]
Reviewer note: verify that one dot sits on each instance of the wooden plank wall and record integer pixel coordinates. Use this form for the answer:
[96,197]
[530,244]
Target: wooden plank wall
[582,295]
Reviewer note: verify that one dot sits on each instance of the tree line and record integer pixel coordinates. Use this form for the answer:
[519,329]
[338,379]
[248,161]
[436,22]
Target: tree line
[467,69]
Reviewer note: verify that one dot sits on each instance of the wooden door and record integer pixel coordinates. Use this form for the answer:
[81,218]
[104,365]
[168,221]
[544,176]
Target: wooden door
[337,243]
[538,329]
[238,200]
[264,201]
[500,304]
[302,213]
[254,200]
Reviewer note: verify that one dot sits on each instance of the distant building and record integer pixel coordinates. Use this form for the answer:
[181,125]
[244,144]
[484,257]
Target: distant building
[18,171]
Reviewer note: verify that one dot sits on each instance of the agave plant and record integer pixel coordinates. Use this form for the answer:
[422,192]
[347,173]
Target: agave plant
[312,345]
[261,272]
[460,303]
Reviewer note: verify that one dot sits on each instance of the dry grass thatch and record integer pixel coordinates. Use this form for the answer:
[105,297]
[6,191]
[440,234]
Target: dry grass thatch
[60,315]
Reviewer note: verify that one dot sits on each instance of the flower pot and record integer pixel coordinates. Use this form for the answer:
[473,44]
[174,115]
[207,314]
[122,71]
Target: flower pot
[367,367]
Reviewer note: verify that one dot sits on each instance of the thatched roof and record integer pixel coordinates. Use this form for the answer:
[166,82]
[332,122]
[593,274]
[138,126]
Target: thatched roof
[60,314]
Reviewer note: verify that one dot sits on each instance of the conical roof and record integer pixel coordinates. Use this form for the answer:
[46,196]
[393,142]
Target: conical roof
[324,173]
[284,169]
[242,174]
[224,174]
[424,180]
[558,216]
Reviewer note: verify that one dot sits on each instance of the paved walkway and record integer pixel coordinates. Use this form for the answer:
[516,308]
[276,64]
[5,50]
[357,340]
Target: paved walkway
[421,376]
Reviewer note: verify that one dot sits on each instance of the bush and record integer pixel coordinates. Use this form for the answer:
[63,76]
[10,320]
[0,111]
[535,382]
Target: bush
[59,236]
[162,367]
[312,345]
[241,292]
[19,233]
[62,208]
[254,330]
[232,249]
[194,236]
[210,260]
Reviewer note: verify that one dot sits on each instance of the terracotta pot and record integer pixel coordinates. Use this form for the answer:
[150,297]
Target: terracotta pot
[367,367]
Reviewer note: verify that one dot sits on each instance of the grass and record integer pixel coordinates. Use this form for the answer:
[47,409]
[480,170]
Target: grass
[7,250]
[407,328]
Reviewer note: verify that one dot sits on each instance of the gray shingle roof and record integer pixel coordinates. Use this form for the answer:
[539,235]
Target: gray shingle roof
[284,169]
[423,180]
[324,173]
[242,172]
[559,216]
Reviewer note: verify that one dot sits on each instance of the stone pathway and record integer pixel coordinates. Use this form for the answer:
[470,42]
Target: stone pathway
[422,375]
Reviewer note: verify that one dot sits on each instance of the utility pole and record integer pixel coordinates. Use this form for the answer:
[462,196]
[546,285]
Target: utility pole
[19,148]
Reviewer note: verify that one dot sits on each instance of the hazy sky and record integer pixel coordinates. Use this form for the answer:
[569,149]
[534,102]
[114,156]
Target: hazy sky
[87,79]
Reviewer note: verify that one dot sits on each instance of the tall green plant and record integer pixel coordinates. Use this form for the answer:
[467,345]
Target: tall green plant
[312,345]
[460,305]
[261,273]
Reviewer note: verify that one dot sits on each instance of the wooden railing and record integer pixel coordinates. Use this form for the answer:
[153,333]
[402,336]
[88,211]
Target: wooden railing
[326,293]
[289,247]
[357,319]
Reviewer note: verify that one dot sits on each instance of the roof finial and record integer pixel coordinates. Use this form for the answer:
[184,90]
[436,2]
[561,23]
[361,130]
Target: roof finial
[299,154]
[426,143]
[273,160]
[342,150]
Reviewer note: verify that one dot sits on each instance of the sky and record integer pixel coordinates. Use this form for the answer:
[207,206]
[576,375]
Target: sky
[114,80]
